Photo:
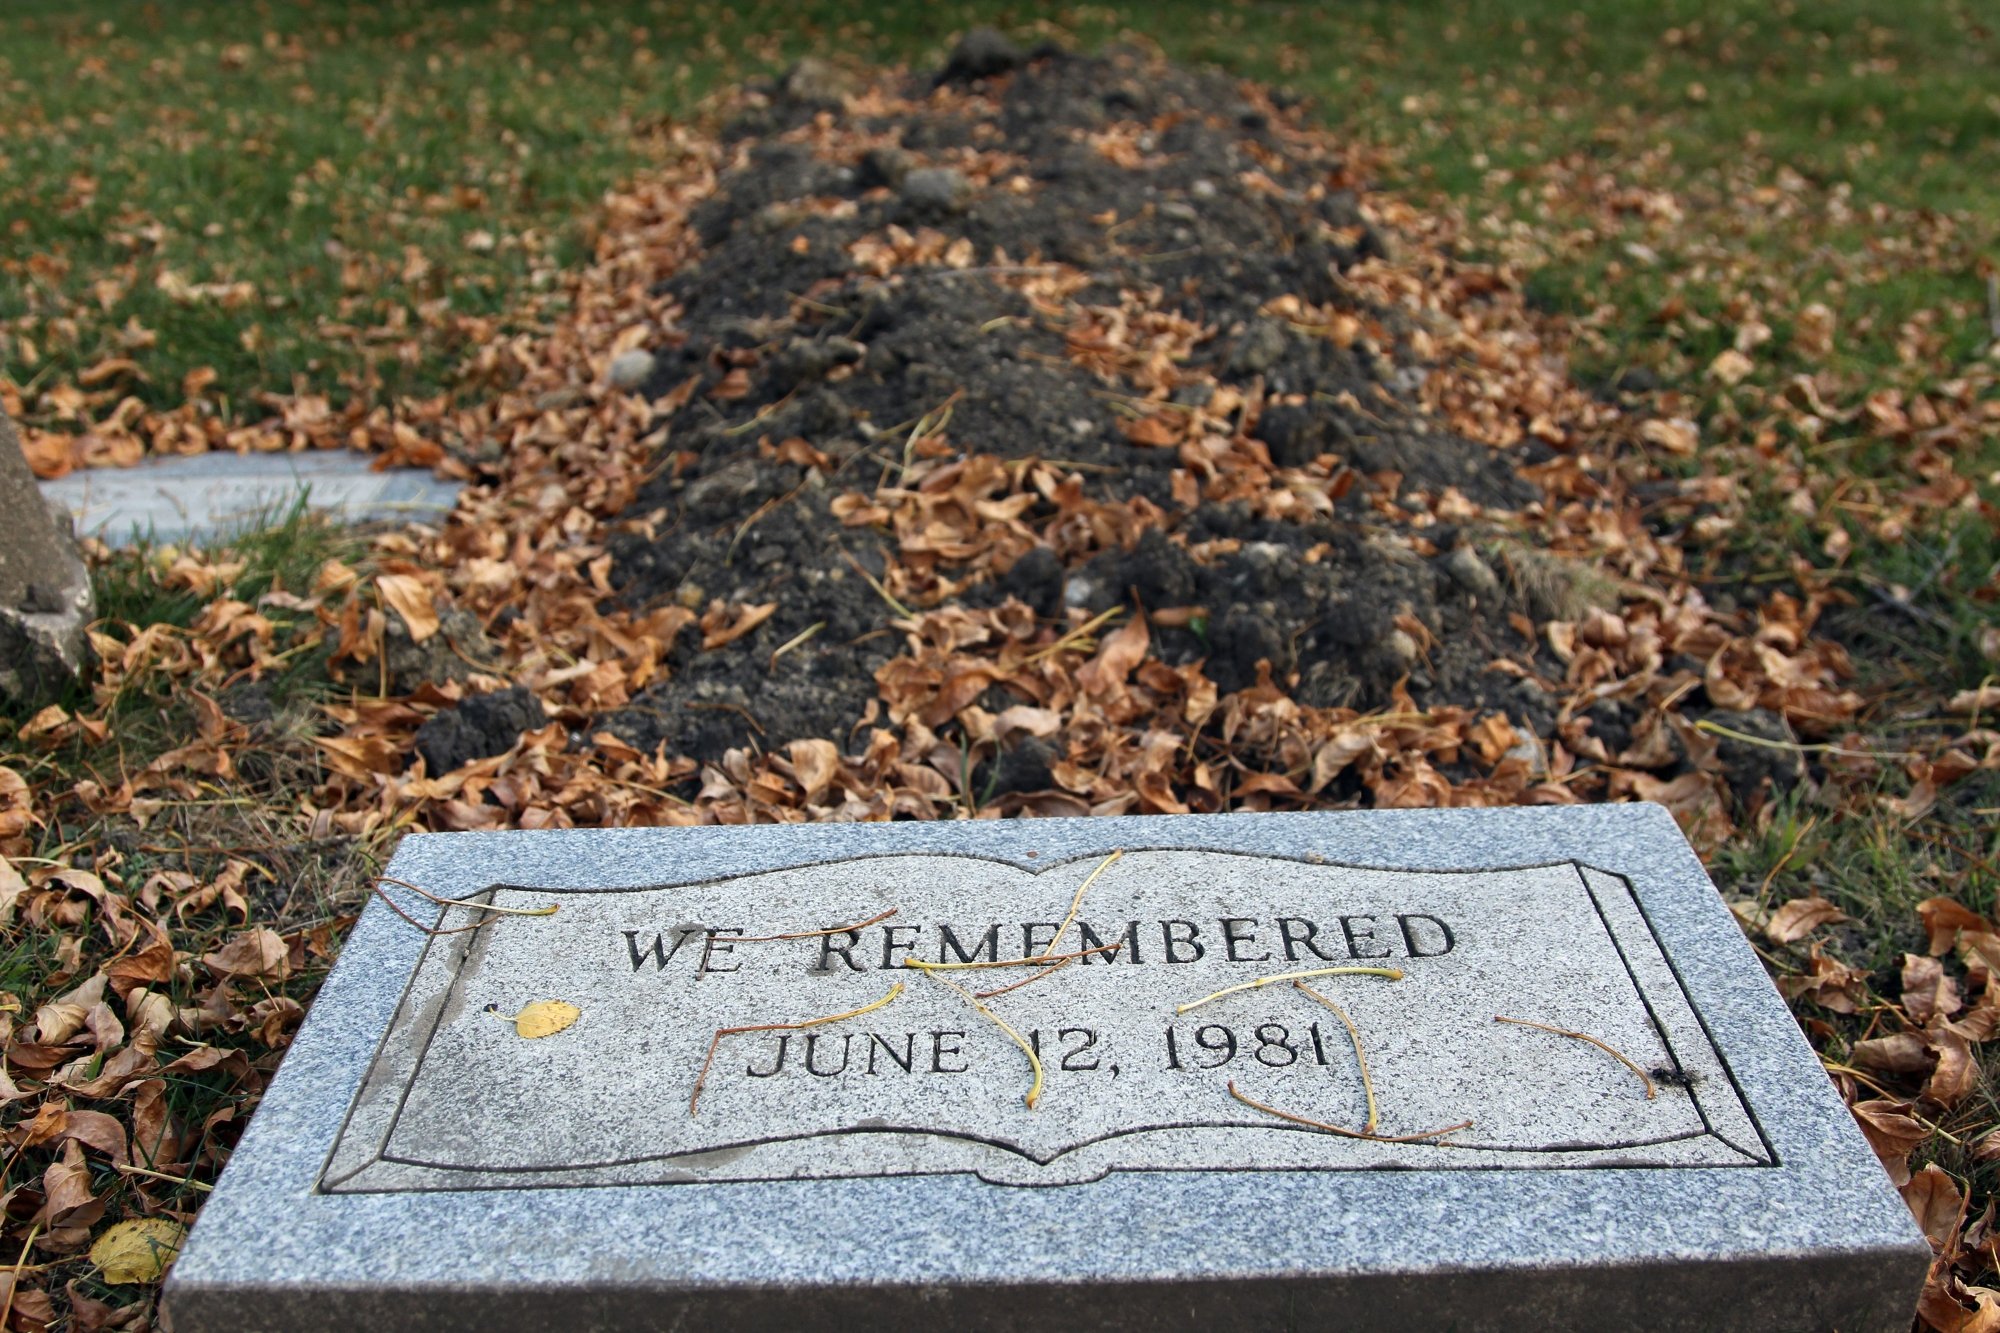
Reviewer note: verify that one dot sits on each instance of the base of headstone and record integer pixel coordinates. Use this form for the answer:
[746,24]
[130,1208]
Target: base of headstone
[45,645]
[426,1160]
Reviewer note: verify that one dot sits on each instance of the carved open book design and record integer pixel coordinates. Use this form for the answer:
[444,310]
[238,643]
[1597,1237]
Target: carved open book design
[457,1099]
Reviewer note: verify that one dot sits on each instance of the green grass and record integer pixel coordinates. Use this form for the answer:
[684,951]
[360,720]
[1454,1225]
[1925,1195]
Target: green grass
[303,155]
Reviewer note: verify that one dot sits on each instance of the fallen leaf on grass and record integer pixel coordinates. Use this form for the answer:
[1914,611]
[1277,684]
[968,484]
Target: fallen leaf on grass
[1927,991]
[1944,918]
[1676,435]
[1800,916]
[1732,367]
[1892,1133]
[1957,1073]
[1904,1053]
[254,953]
[138,1250]
[1937,1204]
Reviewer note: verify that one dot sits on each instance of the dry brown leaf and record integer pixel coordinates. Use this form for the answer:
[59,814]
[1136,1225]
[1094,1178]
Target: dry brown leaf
[1104,675]
[1944,918]
[1799,917]
[1938,1205]
[749,618]
[1927,991]
[1957,1074]
[1903,1053]
[1731,367]
[408,597]
[1676,435]
[260,953]
[1984,699]
[1893,1133]
[817,763]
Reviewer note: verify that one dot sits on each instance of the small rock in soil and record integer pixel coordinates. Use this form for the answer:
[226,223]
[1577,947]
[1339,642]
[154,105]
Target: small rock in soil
[981,54]
[935,191]
[479,728]
[1471,572]
[441,657]
[630,370]
[814,83]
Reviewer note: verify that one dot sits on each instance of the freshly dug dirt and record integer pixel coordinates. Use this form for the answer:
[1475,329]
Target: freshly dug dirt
[1071,331]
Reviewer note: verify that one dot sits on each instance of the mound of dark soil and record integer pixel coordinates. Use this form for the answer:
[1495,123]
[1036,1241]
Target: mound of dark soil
[1122,276]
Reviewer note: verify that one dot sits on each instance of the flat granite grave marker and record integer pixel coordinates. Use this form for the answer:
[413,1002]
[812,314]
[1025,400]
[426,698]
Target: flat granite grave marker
[1532,1077]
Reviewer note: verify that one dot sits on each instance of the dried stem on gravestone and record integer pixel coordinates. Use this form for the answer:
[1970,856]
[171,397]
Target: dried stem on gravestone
[1392,973]
[1345,1133]
[1354,1035]
[1032,977]
[375,887]
[708,936]
[1034,1061]
[720,1033]
[1039,960]
[1077,901]
[1608,1049]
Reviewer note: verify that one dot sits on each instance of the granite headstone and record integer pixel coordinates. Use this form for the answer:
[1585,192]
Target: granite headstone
[1532,1076]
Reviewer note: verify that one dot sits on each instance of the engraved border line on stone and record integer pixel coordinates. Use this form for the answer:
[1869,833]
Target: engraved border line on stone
[327,1184]
[1770,1154]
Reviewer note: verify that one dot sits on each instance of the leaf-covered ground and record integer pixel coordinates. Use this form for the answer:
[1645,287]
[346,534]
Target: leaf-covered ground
[1714,288]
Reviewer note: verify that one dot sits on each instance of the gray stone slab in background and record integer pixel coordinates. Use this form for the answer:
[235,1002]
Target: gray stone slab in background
[210,496]
[419,1164]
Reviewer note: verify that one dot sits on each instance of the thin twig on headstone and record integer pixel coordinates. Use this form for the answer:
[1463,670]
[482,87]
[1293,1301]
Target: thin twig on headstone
[1391,973]
[375,887]
[1309,1122]
[1077,902]
[715,1041]
[1608,1049]
[1039,960]
[1034,1061]
[1354,1035]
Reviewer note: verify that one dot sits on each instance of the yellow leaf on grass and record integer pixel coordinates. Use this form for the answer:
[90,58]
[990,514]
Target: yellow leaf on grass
[138,1250]
[545,1018]
[410,599]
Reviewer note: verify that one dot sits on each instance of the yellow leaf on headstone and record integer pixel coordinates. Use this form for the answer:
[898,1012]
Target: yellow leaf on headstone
[545,1018]
[138,1250]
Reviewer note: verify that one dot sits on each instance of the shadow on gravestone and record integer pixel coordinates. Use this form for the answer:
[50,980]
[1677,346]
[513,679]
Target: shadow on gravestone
[45,597]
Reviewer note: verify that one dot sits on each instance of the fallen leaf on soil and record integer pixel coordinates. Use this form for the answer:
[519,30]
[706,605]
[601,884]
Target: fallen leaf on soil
[409,598]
